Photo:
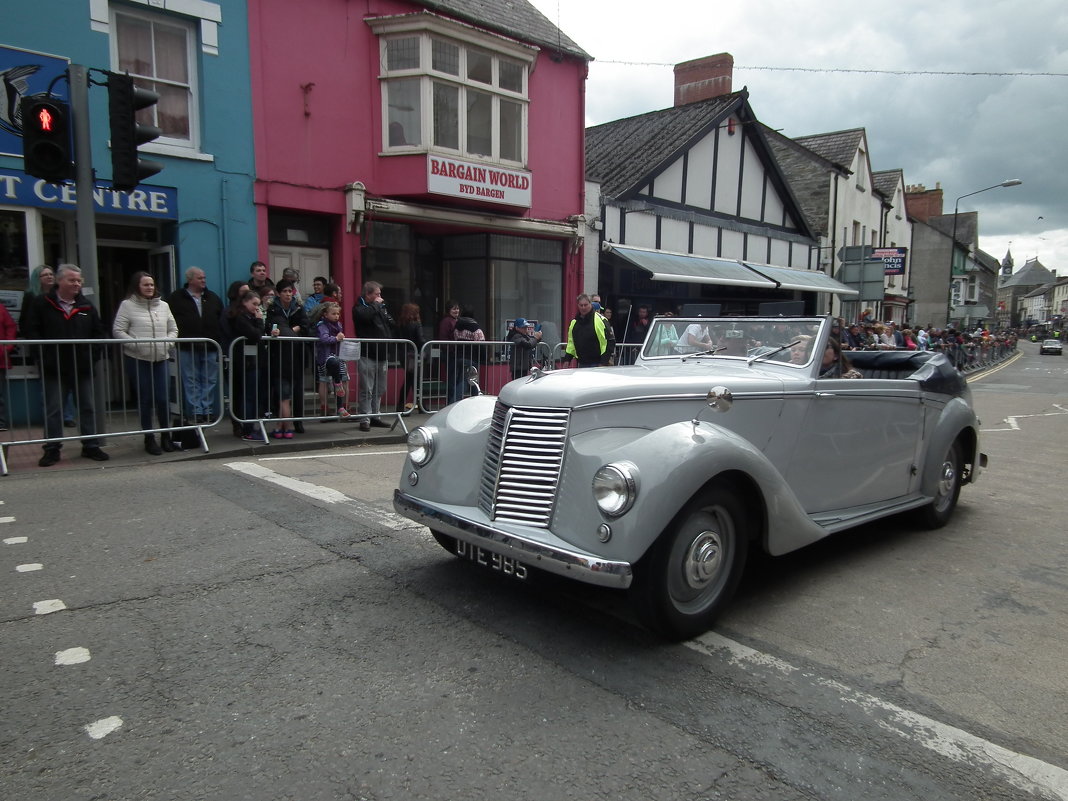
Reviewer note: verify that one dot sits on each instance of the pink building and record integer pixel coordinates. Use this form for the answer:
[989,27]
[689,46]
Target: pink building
[416,145]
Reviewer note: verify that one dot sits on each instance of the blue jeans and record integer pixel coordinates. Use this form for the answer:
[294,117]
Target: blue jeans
[150,381]
[56,388]
[198,366]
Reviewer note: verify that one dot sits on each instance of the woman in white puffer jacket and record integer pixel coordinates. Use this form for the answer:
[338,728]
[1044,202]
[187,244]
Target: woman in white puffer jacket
[144,316]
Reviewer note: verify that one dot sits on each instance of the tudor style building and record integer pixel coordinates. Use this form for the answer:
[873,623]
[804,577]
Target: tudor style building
[694,208]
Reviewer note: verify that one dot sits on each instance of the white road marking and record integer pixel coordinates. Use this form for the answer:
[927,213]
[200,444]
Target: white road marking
[329,456]
[16,540]
[102,728]
[47,607]
[1018,769]
[7,520]
[381,517]
[1014,426]
[72,656]
[28,568]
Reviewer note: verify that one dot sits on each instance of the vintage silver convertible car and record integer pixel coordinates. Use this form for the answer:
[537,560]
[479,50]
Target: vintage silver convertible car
[727,434]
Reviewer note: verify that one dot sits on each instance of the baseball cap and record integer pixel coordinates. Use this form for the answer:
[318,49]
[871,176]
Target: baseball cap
[521,322]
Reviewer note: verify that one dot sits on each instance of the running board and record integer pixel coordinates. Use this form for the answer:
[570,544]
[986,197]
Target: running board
[841,519]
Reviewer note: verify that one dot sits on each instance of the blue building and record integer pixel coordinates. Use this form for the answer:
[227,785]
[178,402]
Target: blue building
[198,211]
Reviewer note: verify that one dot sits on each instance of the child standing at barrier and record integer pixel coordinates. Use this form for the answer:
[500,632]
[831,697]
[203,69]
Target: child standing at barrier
[330,371]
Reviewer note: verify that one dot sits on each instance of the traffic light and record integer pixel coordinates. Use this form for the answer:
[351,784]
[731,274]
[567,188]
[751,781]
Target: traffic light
[46,142]
[127,134]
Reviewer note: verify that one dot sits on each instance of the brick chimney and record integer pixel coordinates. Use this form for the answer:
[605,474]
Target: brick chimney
[922,203]
[703,78]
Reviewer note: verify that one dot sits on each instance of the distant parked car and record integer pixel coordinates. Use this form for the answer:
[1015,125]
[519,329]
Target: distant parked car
[659,477]
[1050,346]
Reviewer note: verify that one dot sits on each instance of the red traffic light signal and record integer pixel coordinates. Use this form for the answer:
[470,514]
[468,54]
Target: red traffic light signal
[46,140]
[124,101]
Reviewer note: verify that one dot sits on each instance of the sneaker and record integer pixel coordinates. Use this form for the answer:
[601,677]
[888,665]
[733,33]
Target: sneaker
[95,454]
[287,434]
[365,425]
[253,436]
[277,433]
[48,458]
[409,406]
[381,424]
[343,413]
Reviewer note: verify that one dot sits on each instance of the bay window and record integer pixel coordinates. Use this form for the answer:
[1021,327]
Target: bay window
[450,89]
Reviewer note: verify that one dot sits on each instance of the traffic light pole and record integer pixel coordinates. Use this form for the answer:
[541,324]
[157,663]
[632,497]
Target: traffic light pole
[85,214]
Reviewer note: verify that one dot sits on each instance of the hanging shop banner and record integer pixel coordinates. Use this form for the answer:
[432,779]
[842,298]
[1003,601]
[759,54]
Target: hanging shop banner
[893,259]
[474,181]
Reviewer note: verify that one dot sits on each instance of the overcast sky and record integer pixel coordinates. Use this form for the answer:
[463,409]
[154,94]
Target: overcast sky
[965,132]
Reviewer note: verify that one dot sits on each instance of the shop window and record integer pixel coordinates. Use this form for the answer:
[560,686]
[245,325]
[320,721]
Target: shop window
[158,53]
[443,93]
[14,268]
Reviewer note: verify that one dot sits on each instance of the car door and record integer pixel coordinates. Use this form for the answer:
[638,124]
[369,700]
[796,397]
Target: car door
[858,443]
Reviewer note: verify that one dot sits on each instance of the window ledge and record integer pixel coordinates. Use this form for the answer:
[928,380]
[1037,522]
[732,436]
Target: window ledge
[175,152]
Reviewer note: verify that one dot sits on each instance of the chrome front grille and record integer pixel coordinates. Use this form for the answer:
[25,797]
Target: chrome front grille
[521,471]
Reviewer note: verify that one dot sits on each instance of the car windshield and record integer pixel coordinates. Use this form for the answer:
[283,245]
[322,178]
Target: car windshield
[733,337]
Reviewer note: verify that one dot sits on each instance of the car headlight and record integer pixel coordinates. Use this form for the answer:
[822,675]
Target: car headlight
[615,486]
[421,445]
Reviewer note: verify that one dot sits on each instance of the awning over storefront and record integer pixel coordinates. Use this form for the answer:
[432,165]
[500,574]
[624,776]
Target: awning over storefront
[725,272]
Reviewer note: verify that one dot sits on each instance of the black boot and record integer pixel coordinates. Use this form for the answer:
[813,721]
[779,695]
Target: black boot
[165,442]
[151,446]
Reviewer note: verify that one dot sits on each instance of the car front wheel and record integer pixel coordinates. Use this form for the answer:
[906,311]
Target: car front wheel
[938,512]
[692,571]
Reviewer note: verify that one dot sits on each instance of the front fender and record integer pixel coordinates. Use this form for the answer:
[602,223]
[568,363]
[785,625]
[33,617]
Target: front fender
[674,464]
[460,434]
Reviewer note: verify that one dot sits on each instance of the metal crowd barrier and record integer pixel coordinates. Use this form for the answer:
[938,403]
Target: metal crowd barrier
[275,382]
[89,389]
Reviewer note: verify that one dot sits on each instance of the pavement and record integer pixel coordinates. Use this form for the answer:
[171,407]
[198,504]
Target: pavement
[129,450]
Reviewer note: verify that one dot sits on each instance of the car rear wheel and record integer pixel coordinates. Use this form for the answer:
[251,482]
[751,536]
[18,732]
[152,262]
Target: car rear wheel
[937,513]
[693,569]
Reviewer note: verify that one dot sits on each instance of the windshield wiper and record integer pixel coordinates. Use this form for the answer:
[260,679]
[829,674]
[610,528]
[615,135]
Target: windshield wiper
[710,352]
[771,353]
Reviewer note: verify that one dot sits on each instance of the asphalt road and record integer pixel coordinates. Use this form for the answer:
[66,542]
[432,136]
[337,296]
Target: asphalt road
[269,629]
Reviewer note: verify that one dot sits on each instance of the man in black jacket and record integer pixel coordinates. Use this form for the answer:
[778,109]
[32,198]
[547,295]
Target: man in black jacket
[198,310]
[372,321]
[65,313]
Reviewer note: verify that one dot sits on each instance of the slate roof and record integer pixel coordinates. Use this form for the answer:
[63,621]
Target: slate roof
[809,176]
[839,146]
[623,153]
[987,261]
[515,18]
[886,181]
[967,226]
[1033,273]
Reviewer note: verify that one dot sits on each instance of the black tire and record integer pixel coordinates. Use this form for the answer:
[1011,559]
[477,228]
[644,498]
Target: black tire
[693,569]
[937,513]
[445,541]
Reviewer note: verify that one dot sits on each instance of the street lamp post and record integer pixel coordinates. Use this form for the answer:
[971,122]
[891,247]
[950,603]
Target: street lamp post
[953,239]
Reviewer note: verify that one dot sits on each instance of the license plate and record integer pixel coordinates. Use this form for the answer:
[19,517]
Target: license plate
[494,561]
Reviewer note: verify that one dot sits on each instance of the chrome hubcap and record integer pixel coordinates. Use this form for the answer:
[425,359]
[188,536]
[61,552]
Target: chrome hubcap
[704,559]
[949,478]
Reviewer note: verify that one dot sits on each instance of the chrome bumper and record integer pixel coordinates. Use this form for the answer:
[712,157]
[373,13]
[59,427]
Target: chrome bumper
[580,566]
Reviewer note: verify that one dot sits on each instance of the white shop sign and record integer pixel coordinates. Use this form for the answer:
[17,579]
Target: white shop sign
[464,179]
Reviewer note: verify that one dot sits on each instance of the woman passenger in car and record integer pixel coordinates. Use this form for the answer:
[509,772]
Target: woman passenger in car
[835,364]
